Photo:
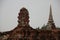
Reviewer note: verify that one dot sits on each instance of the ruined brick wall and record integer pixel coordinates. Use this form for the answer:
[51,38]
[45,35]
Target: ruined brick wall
[24,31]
[38,35]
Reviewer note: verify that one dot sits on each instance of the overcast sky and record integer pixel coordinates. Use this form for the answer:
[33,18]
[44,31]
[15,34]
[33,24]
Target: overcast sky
[38,12]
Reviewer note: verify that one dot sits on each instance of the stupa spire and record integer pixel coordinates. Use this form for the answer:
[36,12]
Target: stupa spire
[50,15]
[50,24]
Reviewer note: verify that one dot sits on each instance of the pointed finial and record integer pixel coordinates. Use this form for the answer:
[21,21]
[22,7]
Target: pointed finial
[50,24]
[50,15]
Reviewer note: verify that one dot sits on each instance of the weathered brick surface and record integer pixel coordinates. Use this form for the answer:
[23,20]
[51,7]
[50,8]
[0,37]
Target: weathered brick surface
[23,31]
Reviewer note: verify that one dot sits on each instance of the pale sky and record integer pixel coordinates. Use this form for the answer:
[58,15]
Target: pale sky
[38,12]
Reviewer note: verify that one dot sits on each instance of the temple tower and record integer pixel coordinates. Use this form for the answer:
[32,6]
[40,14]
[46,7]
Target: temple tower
[23,27]
[50,24]
[23,18]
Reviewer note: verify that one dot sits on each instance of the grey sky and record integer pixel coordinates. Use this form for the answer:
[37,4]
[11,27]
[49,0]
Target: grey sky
[38,12]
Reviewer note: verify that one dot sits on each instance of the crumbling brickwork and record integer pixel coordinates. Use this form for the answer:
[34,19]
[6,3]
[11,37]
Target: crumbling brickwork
[24,31]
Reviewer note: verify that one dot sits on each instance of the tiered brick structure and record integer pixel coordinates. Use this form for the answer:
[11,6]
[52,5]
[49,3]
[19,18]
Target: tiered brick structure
[23,31]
